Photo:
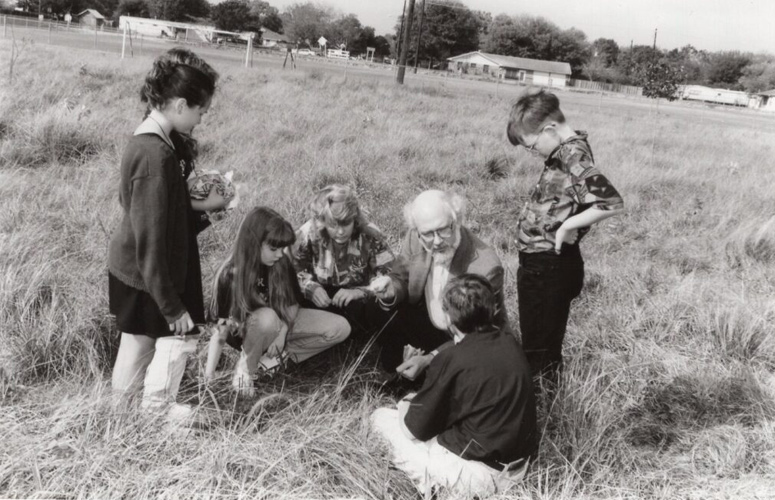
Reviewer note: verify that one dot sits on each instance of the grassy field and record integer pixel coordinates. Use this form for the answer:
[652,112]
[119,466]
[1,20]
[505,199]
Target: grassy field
[669,390]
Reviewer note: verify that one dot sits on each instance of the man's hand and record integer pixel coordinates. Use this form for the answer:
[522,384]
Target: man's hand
[345,295]
[564,235]
[386,292]
[182,325]
[414,366]
[320,298]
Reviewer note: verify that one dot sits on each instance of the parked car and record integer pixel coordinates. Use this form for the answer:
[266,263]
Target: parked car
[305,52]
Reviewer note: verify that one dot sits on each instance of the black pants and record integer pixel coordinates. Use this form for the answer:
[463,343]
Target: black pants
[411,325]
[546,285]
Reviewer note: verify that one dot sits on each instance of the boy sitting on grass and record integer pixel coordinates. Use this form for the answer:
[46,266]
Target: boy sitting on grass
[570,196]
[471,428]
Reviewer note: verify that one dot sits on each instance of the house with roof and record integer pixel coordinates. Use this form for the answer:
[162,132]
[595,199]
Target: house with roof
[271,39]
[763,101]
[520,69]
[92,18]
[713,96]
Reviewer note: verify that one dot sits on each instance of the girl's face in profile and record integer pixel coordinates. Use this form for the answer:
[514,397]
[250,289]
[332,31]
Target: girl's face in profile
[270,254]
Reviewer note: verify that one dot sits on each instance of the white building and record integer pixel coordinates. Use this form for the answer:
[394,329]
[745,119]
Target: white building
[528,71]
[271,39]
[764,101]
[714,96]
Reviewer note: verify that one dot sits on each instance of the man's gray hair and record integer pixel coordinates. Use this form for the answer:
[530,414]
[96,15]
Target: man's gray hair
[455,203]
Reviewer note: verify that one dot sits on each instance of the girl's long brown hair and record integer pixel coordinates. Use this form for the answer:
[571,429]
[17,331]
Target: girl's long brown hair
[261,225]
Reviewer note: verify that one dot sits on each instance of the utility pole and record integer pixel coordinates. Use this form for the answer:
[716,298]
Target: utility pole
[400,33]
[655,39]
[419,36]
[408,15]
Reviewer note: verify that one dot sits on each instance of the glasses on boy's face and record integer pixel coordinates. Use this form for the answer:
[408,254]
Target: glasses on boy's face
[532,148]
[443,233]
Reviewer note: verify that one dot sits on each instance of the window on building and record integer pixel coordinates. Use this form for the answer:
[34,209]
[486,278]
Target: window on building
[486,69]
[521,76]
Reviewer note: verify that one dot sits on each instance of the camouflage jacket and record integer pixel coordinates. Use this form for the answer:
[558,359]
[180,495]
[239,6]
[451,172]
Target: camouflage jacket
[569,183]
[318,265]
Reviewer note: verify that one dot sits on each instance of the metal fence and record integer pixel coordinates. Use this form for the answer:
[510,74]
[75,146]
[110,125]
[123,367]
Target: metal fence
[113,40]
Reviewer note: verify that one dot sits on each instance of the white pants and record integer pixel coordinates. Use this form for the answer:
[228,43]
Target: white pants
[162,379]
[429,464]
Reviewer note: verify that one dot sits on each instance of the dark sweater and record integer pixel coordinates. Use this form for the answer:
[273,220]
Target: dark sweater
[149,249]
[478,399]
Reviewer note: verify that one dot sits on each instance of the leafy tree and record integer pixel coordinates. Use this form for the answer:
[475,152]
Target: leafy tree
[485,20]
[134,8]
[759,75]
[232,15]
[268,17]
[381,46]
[661,81]
[306,22]
[344,32]
[177,10]
[606,51]
[690,61]
[536,38]
[448,30]
[726,68]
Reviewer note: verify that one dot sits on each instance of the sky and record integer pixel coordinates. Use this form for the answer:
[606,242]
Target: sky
[745,25]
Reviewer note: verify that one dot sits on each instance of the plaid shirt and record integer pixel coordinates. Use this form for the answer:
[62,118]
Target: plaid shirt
[317,264]
[569,183]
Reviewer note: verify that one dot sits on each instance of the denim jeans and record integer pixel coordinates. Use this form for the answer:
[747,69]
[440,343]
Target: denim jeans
[547,283]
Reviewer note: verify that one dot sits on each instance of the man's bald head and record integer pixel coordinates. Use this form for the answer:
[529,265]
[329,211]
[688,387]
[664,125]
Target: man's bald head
[432,205]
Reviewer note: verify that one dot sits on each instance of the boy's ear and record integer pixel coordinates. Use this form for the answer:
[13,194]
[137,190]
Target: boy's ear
[511,133]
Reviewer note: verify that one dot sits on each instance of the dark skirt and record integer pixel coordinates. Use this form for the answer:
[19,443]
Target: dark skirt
[137,313]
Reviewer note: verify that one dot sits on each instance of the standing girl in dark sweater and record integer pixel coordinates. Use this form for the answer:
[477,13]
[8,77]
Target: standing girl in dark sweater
[154,275]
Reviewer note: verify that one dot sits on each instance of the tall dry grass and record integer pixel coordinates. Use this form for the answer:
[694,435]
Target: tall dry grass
[668,391]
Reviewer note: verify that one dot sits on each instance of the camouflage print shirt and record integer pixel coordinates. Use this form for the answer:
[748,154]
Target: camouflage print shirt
[318,264]
[569,183]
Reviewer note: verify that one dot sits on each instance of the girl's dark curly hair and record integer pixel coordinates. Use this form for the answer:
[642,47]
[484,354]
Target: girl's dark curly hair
[169,79]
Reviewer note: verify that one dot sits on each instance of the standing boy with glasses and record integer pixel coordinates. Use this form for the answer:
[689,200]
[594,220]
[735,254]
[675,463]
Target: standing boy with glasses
[571,195]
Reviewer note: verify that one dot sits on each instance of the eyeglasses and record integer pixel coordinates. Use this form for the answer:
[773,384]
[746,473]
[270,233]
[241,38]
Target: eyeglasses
[532,148]
[443,233]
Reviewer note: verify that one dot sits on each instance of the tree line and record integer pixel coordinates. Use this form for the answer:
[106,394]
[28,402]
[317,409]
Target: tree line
[451,28]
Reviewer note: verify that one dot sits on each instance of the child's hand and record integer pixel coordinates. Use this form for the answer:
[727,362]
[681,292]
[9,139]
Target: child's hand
[346,295]
[564,235]
[182,325]
[214,201]
[320,298]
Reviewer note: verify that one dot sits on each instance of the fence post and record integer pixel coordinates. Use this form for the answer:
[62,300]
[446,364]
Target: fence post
[123,43]
[49,33]
[5,25]
[95,35]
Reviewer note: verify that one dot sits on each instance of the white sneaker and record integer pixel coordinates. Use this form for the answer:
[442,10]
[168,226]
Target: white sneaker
[242,381]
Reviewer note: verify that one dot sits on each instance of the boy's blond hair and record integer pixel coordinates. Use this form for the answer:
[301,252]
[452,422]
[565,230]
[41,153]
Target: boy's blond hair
[531,111]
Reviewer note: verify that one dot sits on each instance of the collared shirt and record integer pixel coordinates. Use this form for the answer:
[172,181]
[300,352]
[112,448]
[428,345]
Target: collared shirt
[569,184]
[478,400]
[438,277]
[319,264]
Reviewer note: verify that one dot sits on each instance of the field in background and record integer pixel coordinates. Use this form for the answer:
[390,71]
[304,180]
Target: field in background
[669,389]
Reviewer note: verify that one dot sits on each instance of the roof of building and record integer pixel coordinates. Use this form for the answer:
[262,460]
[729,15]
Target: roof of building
[271,35]
[562,68]
[767,93]
[93,12]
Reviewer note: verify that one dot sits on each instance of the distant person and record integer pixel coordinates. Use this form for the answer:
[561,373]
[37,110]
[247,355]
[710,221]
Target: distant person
[437,248]
[571,195]
[337,253]
[471,429]
[256,297]
[155,288]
